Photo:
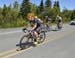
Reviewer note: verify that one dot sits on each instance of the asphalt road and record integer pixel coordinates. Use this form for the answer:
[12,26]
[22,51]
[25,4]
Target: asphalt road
[58,44]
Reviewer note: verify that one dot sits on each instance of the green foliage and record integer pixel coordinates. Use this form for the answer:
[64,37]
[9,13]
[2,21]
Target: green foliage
[73,15]
[56,4]
[41,7]
[16,16]
[4,12]
[48,3]
[33,8]
[16,6]
[67,15]
[25,8]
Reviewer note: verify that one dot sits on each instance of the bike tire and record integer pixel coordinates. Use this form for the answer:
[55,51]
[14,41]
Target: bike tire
[25,42]
[47,28]
[42,37]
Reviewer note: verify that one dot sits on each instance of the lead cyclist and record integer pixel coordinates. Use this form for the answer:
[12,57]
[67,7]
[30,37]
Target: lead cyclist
[36,25]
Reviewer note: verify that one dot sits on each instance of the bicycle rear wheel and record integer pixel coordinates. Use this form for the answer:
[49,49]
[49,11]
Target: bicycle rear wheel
[42,37]
[25,42]
[47,27]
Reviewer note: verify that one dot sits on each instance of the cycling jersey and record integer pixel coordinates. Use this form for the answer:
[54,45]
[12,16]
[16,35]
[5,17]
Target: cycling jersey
[38,23]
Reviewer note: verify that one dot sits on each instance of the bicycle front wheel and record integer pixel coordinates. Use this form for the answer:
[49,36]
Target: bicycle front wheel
[25,42]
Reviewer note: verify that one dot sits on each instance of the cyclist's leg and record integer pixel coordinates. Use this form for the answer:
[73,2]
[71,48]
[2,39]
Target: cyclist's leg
[60,25]
[50,24]
[35,37]
[36,33]
[48,27]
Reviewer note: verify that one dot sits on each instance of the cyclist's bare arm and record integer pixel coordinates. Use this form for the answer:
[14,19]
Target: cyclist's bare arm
[35,25]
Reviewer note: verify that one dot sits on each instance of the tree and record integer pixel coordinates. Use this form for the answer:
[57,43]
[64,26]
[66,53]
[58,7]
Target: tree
[25,8]
[56,4]
[1,17]
[48,3]
[33,8]
[37,11]
[48,9]
[67,15]
[56,8]
[41,7]
[72,15]
[16,6]
[4,12]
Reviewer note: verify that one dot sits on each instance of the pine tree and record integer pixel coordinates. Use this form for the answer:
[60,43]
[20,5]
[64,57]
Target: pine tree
[56,4]
[48,3]
[41,7]
[25,8]
[56,7]
[16,6]
[4,12]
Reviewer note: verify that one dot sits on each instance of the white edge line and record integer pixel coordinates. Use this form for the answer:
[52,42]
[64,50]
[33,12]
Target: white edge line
[10,32]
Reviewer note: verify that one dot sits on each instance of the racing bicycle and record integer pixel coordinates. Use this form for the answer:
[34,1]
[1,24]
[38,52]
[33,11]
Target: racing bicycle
[28,38]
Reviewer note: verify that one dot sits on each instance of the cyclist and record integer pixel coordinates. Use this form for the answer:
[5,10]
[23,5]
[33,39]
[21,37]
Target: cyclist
[59,22]
[48,22]
[39,19]
[36,26]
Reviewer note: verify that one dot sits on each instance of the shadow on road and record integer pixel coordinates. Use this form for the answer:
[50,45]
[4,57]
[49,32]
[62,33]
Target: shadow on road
[25,45]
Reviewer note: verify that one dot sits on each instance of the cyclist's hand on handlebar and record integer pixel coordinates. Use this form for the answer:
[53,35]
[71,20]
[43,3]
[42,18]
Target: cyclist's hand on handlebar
[24,29]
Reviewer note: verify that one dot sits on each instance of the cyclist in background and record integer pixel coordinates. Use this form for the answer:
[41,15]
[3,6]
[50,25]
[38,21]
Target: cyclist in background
[59,22]
[48,22]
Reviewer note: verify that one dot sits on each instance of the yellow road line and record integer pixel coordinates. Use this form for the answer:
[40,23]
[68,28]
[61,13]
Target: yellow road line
[17,53]
[48,40]
[10,51]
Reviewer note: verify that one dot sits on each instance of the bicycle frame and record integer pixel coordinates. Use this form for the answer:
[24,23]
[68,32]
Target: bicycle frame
[29,38]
